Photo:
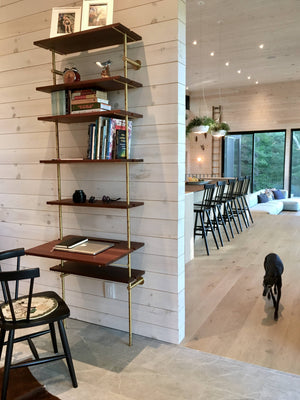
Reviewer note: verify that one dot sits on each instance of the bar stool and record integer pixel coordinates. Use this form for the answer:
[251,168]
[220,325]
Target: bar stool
[203,223]
[227,200]
[218,205]
[245,190]
[237,198]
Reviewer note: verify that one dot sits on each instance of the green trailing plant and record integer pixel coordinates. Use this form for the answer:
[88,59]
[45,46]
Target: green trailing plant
[219,126]
[197,121]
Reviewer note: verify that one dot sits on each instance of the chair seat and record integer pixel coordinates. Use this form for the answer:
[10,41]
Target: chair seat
[46,307]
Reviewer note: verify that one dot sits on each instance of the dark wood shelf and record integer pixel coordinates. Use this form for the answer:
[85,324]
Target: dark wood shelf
[108,273]
[89,116]
[109,35]
[87,160]
[109,256]
[106,84]
[98,203]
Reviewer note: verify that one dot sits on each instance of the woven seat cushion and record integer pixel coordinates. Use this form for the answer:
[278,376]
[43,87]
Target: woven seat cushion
[40,306]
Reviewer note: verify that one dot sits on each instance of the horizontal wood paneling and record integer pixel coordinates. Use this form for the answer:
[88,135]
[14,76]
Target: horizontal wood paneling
[26,185]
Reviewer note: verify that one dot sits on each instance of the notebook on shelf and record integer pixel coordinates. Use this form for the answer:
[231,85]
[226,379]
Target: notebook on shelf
[91,247]
[70,242]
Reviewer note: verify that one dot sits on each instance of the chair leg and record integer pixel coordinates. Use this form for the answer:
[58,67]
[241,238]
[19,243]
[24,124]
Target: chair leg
[67,352]
[216,223]
[2,338]
[220,217]
[212,228]
[204,233]
[53,337]
[227,218]
[8,356]
[232,217]
[237,213]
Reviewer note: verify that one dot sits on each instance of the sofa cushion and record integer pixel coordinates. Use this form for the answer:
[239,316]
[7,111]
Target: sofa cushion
[262,198]
[291,204]
[273,207]
[278,195]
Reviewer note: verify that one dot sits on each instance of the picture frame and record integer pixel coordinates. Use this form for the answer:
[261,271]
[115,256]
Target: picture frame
[96,13]
[65,20]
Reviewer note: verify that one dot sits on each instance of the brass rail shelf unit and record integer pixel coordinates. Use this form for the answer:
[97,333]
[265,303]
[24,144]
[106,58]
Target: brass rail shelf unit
[99,266]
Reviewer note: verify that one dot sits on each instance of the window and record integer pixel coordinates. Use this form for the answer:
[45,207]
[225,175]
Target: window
[257,154]
[295,163]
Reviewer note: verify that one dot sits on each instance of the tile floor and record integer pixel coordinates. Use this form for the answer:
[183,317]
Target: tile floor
[108,369]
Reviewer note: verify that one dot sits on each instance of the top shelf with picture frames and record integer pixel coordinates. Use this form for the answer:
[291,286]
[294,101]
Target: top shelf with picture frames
[109,35]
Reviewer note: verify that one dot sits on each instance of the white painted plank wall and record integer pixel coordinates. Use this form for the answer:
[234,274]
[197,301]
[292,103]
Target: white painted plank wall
[26,185]
[259,107]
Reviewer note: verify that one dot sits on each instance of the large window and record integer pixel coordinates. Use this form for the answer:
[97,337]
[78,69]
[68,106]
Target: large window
[257,154]
[295,163]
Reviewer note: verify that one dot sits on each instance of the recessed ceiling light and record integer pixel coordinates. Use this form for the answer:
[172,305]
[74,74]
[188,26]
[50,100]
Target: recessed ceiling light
[238,71]
[227,63]
[212,53]
[256,83]
[249,77]
[261,46]
[194,42]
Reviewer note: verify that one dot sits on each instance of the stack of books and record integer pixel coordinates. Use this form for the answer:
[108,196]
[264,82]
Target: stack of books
[88,100]
[107,139]
[70,242]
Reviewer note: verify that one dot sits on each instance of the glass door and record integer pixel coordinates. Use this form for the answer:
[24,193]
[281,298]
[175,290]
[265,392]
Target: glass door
[295,163]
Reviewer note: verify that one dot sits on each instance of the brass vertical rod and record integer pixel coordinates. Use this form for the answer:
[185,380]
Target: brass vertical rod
[58,173]
[127,190]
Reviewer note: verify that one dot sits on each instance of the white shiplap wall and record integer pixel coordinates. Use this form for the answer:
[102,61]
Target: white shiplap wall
[259,107]
[159,138]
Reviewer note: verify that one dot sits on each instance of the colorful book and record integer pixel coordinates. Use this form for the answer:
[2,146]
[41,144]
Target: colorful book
[89,107]
[89,92]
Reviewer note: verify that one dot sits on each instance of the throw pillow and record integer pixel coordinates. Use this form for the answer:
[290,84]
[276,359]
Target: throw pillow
[269,194]
[278,194]
[262,198]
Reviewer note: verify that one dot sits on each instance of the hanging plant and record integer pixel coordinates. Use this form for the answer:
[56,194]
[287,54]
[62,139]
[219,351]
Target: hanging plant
[219,129]
[199,125]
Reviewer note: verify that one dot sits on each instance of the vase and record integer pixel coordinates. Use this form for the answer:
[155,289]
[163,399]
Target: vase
[200,129]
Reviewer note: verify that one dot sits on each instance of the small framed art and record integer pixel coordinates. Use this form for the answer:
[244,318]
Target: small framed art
[96,13]
[65,20]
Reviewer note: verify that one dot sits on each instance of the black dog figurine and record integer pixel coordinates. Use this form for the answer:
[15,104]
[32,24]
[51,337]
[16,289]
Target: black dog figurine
[274,269]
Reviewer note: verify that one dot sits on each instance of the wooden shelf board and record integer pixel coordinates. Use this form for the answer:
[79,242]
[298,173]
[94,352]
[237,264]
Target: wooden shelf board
[87,160]
[108,273]
[109,35]
[105,258]
[105,84]
[89,116]
[98,203]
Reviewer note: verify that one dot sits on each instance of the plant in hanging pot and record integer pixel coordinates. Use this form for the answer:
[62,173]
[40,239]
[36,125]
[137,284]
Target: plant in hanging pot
[199,125]
[219,129]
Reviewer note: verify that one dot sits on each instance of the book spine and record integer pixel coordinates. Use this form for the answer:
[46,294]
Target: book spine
[90,106]
[89,92]
[89,100]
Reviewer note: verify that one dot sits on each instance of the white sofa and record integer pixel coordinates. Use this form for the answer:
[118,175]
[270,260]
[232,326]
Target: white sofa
[273,207]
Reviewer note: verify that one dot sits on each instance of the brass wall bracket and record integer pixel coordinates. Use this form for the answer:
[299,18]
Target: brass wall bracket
[56,71]
[139,281]
[135,63]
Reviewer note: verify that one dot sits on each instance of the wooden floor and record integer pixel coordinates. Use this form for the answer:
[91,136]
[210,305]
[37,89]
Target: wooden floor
[225,311]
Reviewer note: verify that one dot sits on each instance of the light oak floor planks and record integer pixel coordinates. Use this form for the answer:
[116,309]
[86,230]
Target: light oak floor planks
[225,311]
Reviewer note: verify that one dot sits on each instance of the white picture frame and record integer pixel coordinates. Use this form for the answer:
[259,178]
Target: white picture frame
[65,20]
[96,13]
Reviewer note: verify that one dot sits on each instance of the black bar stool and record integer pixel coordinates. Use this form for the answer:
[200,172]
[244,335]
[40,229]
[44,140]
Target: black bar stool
[218,205]
[227,200]
[203,223]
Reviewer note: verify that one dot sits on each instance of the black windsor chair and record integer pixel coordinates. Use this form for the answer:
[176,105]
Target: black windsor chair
[203,223]
[29,311]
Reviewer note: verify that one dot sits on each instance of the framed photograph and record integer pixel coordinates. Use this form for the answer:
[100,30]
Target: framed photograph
[96,13]
[65,20]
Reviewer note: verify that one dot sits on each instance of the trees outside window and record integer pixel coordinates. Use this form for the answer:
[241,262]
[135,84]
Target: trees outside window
[258,154]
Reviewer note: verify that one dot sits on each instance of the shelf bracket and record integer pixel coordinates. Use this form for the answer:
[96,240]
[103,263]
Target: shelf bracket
[135,63]
[56,71]
[139,281]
